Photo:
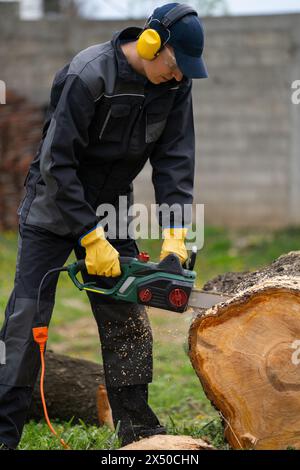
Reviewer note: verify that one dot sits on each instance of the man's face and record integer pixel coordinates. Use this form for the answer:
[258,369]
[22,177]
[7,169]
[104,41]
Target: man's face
[163,68]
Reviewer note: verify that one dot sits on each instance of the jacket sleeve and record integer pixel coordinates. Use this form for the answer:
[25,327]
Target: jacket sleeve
[173,160]
[66,138]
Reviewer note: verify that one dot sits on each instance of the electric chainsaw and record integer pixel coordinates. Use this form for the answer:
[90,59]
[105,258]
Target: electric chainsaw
[166,285]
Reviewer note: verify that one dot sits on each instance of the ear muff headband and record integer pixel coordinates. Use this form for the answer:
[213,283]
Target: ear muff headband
[176,14]
[150,43]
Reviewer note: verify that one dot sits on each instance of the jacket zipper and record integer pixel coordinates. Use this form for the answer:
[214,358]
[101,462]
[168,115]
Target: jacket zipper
[105,124]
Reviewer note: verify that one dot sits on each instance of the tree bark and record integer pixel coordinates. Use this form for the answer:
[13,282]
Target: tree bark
[246,353]
[74,388]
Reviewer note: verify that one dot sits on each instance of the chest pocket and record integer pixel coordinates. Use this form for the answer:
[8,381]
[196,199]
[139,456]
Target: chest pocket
[156,118]
[116,123]
[154,128]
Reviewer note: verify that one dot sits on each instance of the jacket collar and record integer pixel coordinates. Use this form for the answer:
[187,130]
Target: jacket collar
[125,70]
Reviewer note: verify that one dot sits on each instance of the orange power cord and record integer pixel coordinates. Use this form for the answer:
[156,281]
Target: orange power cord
[40,335]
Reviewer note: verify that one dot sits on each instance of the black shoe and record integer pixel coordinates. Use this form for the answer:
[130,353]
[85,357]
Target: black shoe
[143,432]
[132,413]
[136,433]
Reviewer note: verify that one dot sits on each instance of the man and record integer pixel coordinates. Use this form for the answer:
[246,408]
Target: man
[113,107]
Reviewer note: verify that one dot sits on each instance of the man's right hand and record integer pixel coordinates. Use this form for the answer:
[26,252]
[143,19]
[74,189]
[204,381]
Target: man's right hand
[101,257]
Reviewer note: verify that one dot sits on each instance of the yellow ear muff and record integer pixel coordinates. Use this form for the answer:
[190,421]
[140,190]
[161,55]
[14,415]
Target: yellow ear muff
[148,44]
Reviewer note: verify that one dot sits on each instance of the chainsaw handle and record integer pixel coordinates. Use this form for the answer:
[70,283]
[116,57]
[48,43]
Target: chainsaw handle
[123,260]
[190,262]
[73,270]
[81,265]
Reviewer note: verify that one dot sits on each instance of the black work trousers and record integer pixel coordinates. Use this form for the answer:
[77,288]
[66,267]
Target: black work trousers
[124,329]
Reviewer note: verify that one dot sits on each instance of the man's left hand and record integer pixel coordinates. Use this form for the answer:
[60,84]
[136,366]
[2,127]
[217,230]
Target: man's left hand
[174,243]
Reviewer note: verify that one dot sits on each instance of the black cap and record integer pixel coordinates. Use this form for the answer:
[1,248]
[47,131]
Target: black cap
[187,39]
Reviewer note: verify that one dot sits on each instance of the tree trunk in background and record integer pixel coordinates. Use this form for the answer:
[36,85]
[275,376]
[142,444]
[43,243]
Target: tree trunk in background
[246,353]
[74,388]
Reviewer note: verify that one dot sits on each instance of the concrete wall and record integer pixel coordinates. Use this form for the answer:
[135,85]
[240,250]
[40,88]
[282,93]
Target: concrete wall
[248,144]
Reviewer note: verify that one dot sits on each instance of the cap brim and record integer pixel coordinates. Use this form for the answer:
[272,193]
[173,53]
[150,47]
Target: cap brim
[191,67]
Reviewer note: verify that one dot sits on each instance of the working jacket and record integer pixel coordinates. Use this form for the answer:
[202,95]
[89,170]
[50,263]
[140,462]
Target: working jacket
[103,122]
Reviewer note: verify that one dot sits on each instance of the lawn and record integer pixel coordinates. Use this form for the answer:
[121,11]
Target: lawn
[175,394]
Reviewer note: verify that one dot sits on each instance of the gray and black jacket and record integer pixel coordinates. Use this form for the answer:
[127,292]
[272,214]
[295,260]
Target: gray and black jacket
[103,122]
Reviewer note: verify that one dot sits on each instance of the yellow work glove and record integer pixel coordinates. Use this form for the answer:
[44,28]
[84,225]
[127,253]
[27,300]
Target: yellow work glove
[174,243]
[101,257]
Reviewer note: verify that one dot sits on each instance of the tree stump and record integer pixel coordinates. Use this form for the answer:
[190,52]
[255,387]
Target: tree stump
[169,442]
[246,353]
[74,388]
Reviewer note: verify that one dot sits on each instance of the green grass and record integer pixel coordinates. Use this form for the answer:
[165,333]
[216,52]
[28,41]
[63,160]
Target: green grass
[79,437]
[175,394]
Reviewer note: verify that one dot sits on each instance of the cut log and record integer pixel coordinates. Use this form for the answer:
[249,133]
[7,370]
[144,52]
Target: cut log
[168,442]
[246,353]
[74,388]
[235,282]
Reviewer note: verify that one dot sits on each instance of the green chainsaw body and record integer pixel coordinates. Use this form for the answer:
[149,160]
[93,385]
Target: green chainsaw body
[164,285]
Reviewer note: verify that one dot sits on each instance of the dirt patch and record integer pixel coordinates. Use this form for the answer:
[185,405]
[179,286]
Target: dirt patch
[76,304]
[81,334]
[170,326]
[167,327]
